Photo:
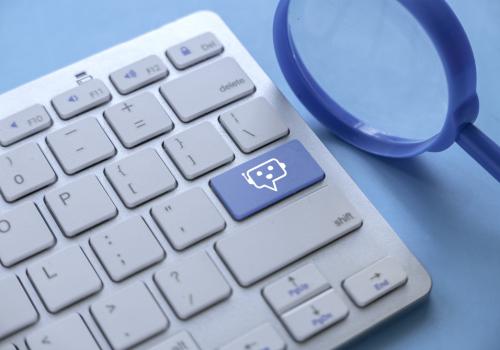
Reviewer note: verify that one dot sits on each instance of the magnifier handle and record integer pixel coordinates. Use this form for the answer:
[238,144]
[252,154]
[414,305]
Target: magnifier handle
[481,148]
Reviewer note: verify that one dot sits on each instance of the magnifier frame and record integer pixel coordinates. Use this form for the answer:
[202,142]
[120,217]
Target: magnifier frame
[455,52]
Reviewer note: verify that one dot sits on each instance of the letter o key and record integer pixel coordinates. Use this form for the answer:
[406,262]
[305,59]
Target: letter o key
[4,226]
[18,179]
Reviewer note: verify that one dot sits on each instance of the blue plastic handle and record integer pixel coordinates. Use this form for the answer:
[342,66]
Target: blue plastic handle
[481,148]
[455,52]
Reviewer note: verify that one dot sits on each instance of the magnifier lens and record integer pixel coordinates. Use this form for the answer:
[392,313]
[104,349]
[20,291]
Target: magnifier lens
[373,58]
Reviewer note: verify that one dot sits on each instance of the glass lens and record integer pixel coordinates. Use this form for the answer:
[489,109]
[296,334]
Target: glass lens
[375,60]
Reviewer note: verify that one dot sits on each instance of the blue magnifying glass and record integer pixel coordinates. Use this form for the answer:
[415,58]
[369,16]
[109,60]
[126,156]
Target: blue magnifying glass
[394,78]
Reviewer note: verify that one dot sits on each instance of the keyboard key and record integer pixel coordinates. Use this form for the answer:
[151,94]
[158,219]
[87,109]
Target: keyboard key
[23,233]
[138,119]
[8,347]
[24,170]
[138,74]
[180,341]
[81,99]
[188,218]
[64,279]
[69,333]
[80,145]
[80,205]
[15,303]
[129,317]
[315,315]
[23,124]
[324,215]
[253,125]
[207,89]
[127,248]
[198,150]
[192,285]
[195,50]
[375,281]
[262,337]
[140,177]
[295,288]
[267,179]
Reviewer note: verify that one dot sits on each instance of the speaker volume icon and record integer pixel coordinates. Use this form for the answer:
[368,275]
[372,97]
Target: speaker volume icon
[131,74]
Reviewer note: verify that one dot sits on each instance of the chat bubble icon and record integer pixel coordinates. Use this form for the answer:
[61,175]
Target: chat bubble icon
[266,174]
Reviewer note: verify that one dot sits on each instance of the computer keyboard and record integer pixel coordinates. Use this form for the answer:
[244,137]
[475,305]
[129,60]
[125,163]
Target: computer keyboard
[164,195]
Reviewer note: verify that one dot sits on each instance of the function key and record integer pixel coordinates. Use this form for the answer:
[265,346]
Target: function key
[138,74]
[22,124]
[80,99]
[375,281]
[195,50]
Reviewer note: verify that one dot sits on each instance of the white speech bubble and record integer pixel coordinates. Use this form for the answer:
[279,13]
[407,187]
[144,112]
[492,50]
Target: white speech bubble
[262,175]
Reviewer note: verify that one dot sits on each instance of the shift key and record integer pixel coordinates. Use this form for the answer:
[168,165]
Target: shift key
[207,89]
[298,229]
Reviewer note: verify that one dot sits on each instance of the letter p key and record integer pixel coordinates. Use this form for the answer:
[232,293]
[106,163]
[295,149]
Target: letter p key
[65,196]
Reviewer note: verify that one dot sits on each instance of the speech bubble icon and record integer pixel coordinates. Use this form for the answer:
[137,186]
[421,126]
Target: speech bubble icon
[266,174]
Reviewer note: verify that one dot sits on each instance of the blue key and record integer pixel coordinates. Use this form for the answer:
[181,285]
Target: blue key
[266,180]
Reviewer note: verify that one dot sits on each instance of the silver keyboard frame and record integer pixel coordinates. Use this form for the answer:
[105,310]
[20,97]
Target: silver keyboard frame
[246,308]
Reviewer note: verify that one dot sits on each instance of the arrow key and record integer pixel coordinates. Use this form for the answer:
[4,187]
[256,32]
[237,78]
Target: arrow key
[263,337]
[375,281]
[317,314]
[69,333]
[295,288]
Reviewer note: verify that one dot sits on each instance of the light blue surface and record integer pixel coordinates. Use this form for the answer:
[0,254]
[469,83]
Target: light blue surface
[444,206]
[260,182]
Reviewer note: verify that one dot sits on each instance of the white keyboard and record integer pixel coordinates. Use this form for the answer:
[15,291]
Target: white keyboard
[164,195]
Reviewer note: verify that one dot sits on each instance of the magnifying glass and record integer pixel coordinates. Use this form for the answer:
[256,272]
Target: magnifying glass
[394,78]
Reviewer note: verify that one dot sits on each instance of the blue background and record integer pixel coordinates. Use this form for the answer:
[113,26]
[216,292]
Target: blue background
[444,206]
